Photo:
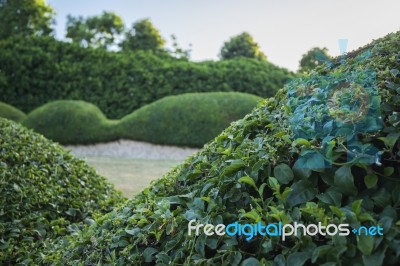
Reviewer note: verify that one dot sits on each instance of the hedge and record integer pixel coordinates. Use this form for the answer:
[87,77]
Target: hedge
[258,169]
[45,193]
[12,113]
[34,71]
[71,122]
[190,119]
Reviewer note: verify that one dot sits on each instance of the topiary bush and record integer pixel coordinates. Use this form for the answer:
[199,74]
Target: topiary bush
[45,193]
[37,70]
[71,122]
[10,112]
[259,169]
[190,119]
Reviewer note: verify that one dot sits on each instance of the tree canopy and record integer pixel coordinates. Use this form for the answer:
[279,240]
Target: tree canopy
[25,17]
[143,36]
[313,58]
[96,31]
[242,45]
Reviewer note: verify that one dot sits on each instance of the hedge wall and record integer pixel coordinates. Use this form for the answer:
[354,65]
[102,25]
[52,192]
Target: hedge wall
[38,70]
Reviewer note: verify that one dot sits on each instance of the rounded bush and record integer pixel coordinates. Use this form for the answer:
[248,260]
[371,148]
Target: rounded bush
[259,170]
[45,193]
[71,122]
[12,113]
[190,119]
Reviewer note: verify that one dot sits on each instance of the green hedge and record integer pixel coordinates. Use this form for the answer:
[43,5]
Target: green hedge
[45,193]
[254,171]
[37,70]
[10,112]
[190,119]
[71,122]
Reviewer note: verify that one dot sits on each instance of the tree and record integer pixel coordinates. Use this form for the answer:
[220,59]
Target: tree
[97,31]
[313,58]
[242,45]
[143,36]
[177,51]
[25,17]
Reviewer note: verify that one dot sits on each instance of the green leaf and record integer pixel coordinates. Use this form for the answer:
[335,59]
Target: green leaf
[370,180]
[356,206]
[388,171]
[319,252]
[365,244]
[283,173]
[200,245]
[344,180]
[302,191]
[331,197]
[233,167]
[252,215]
[301,141]
[148,254]
[298,258]
[250,262]
[248,180]
[300,169]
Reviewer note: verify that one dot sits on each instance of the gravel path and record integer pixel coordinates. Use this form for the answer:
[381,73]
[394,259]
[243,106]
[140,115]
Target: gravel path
[132,149]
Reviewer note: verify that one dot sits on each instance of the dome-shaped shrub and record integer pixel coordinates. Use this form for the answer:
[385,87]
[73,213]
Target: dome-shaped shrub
[190,119]
[298,157]
[12,113]
[45,193]
[71,122]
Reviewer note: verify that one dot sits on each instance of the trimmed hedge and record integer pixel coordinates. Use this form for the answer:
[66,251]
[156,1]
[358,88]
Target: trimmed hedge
[10,112]
[255,171]
[190,119]
[38,70]
[71,122]
[45,193]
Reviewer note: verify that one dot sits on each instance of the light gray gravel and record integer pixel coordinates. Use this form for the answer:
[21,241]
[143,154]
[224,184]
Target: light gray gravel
[132,149]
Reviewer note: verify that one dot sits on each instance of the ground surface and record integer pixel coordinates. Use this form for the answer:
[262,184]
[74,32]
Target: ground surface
[131,165]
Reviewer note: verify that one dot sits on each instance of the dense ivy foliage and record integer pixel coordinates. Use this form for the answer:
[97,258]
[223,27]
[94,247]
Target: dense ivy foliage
[190,119]
[249,173]
[10,112]
[37,70]
[45,193]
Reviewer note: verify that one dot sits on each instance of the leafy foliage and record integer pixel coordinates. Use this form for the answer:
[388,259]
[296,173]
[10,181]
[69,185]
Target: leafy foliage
[190,119]
[314,58]
[250,173]
[25,17]
[143,36]
[71,122]
[242,45]
[43,69]
[97,31]
[10,112]
[46,193]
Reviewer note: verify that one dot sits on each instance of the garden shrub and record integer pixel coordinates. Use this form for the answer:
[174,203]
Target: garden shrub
[37,70]
[45,193]
[10,112]
[71,122]
[190,119]
[258,170]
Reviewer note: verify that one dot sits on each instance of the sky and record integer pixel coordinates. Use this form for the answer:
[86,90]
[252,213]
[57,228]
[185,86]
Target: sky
[284,29]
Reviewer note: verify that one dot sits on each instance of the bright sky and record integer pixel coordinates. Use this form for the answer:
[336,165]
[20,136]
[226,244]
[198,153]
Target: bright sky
[285,29]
